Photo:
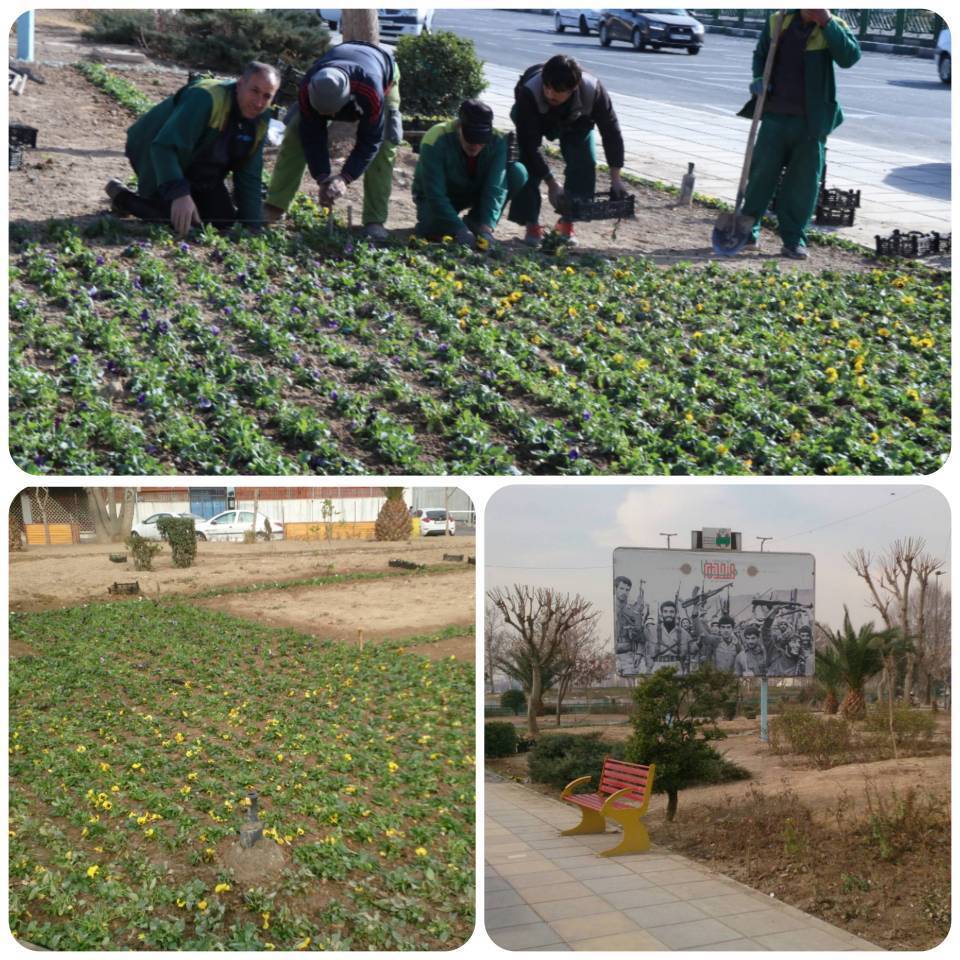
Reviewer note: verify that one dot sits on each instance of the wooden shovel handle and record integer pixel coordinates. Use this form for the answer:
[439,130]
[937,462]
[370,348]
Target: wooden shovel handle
[758,108]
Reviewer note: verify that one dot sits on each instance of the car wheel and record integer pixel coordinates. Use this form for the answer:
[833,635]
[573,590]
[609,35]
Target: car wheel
[558,24]
[263,535]
[943,68]
[637,40]
[201,536]
[693,51]
[604,35]
[584,28]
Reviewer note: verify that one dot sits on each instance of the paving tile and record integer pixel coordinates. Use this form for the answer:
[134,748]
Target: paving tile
[661,914]
[730,903]
[635,940]
[625,899]
[700,933]
[495,883]
[808,938]
[759,922]
[530,881]
[572,907]
[525,937]
[502,898]
[739,946]
[699,891]
[598,925]
[519,867]
[618,884]
[555,891]
[604,869]
[509,917]
[680,875]
[644,864]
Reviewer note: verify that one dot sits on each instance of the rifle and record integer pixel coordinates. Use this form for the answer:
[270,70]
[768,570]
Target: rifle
[702,598]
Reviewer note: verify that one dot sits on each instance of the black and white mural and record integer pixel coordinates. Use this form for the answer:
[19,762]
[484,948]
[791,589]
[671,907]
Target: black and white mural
[750,614]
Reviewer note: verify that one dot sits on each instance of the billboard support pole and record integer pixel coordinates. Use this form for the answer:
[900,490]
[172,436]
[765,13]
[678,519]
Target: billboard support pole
[763,710]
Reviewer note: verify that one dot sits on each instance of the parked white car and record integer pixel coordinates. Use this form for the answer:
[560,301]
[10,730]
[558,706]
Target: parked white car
[147,529]
[233,524]
[393,23]
[582,20]
[942,56]
[432,522]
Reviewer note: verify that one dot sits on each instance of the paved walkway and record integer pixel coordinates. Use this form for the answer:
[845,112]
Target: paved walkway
[898,189]
[546,892]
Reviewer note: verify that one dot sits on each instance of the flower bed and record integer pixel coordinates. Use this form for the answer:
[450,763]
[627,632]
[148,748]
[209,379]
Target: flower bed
[296,352]
[137,730]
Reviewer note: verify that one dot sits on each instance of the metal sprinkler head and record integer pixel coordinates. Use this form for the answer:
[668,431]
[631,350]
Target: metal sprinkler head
[251,830]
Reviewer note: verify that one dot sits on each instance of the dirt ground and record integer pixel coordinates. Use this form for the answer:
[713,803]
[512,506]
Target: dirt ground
[769,772]
[384,609]
[44,577]
[82,133]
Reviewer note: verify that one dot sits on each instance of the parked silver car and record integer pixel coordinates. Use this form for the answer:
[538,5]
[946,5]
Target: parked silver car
[655,29]
[582,20]
[943,56]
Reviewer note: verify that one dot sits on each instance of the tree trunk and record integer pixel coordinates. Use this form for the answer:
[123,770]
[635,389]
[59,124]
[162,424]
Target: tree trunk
[830,704]
[533,704]
[854,706]
[359,25]
[672,798]
[112,521]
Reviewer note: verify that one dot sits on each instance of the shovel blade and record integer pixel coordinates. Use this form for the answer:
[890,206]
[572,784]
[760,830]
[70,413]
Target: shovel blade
[731,233]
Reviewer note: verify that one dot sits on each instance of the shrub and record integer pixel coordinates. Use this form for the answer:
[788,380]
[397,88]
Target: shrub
[911,727]
[222,40]
[143,551]
[499,739]
[729,709]
[558,758]
[437,72]
[180,533]
[515,700]
[825,741]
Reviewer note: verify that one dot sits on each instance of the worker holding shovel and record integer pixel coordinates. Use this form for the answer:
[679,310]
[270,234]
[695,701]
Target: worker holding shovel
[799,110]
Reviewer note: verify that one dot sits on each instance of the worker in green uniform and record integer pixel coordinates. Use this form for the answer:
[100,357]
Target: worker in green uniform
[463,165]
[800,111]
[185,147]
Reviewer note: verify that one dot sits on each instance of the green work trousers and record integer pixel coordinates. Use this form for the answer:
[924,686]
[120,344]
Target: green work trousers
[427,227]
[377,181]
[579,175]
[783,142]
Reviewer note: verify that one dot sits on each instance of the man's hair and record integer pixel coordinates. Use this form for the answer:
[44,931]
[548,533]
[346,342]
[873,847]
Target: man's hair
[669,603]
[805,629]
[751,630]
[561,73]
[258,66]
[726,621]
[618,580]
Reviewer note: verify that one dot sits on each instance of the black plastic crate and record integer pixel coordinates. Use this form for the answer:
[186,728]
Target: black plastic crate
[841,199]
[834,216]
[914,243]
[942,242]
[601,206]
[22,135]
[16,157]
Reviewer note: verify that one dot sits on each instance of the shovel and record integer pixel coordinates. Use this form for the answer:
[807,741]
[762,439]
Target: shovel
[732,230]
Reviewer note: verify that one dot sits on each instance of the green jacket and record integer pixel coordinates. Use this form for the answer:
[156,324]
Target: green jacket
[826,46]
[163,143]
[442,182]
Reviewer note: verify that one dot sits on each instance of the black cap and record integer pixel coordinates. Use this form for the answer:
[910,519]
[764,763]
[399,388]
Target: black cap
[476,121]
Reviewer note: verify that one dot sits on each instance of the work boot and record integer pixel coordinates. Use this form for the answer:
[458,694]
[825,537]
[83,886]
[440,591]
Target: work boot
[114,189]
[794,252]
[565,229]
[272,214]
[376,231]
[534,235]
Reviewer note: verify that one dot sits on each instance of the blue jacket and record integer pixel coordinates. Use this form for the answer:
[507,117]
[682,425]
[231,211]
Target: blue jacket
[370,70]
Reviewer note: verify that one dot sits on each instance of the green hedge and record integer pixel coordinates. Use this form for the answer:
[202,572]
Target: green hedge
[499,739]
[559,758]
[182,536]
[438,71]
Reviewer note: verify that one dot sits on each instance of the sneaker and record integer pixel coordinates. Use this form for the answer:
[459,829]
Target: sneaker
[376,231]
[534,235]
[565,229]
[114,189]
[799,252]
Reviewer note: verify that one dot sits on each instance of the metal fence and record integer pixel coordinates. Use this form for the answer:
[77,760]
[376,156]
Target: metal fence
[911,27]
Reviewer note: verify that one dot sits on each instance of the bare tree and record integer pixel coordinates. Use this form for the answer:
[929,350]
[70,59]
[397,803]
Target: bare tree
[43,498]
[542,619]
[112,518]
[359,25]
[898,584]
[493,642]
[582,661]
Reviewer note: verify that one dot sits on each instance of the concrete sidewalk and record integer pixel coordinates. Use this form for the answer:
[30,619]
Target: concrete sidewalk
[546,892]
[898,190]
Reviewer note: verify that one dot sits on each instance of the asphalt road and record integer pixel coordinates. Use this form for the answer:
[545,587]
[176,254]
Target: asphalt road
[892,102]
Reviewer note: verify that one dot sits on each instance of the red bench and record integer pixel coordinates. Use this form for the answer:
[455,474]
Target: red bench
[623,796]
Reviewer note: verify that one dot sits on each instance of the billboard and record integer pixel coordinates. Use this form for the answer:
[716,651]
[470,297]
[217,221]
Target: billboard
[750,614]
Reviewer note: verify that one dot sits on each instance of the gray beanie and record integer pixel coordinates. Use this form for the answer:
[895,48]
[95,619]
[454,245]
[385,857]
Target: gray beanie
[329,91]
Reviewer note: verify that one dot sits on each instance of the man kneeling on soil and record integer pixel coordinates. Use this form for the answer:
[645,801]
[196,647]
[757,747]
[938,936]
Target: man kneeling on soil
[557,100]
[463,163]
[183,149]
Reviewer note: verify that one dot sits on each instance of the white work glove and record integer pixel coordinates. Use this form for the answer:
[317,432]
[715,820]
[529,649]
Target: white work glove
[184,214]
[331,190]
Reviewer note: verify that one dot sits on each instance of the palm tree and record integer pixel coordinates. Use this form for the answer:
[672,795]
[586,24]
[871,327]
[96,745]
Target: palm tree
[827,671]
[860,657]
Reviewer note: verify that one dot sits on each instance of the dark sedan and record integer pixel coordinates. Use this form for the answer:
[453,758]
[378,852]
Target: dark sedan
[652,28]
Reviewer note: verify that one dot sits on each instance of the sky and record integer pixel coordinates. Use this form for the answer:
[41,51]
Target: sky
[564,535]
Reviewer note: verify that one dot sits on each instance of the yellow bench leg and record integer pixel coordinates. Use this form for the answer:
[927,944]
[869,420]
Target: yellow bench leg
[590,822]
[635,838]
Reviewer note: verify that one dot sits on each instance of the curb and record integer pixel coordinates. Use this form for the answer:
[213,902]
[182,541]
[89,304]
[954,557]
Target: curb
[872,46]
